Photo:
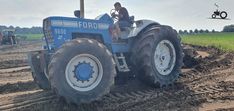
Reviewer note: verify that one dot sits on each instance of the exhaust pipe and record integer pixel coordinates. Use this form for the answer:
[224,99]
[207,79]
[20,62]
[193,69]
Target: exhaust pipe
[80,13]
[82,9]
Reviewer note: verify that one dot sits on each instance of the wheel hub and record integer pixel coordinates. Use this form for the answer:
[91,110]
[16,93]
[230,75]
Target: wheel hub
[164,57]
[83,71]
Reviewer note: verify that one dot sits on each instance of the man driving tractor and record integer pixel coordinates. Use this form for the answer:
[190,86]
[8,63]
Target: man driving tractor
[122,16]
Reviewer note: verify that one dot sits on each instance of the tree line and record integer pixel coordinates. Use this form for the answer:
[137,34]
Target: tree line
[228,28]
[196,31]
[19,30]
[38,30]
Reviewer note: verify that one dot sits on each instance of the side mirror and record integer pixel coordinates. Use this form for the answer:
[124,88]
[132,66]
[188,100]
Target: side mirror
[77,13]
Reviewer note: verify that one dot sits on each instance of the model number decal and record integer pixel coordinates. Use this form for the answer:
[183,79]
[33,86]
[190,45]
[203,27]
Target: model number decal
[60,31]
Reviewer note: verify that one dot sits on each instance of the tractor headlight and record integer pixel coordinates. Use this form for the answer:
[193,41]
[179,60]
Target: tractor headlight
[47,30]
[46,24]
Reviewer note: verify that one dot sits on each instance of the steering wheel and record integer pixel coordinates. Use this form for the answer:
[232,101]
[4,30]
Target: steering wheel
[113,14]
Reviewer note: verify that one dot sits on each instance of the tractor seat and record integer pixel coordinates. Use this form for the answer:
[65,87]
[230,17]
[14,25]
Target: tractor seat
[127,29]
[130,25]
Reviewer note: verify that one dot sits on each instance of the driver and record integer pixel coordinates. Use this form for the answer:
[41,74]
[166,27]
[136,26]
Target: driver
[123,17]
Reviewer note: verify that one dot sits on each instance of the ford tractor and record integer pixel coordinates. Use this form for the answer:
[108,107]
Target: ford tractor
[81,60]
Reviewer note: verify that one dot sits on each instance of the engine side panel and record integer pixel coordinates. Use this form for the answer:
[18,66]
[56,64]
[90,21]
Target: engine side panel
[59,30]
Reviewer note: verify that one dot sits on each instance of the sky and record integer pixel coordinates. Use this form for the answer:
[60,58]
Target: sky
[180,14]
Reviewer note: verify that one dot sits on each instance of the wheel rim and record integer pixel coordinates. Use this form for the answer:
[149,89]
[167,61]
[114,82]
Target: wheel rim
[164,57]
[84,72]
[223,15]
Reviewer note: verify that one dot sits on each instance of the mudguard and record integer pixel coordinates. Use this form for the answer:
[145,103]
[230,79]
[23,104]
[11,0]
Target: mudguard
[38,61]
[38,64]
[141,25]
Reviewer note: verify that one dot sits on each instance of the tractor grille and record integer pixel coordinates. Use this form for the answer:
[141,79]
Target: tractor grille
[47,30]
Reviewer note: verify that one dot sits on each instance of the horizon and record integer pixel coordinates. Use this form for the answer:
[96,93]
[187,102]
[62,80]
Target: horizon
[175,29]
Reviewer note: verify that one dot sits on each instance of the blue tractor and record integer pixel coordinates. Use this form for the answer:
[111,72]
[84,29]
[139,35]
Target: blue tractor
[81,60]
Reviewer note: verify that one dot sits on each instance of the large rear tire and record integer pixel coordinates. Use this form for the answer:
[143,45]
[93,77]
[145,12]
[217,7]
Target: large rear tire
[38,75]
[158,56]
[82,71]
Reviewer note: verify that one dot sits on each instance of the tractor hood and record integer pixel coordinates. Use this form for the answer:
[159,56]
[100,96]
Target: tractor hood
[78,22]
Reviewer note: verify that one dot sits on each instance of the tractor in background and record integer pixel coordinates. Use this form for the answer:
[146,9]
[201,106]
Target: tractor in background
[81,60]
[7,37]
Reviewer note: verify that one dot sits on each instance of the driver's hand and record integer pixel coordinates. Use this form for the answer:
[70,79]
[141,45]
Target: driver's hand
[113,15]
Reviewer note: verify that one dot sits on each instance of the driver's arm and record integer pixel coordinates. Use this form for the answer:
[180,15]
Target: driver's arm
[118,15]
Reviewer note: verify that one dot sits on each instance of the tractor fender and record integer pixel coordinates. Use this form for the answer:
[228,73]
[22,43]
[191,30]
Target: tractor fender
[37,62]
[140,25]
[39,65]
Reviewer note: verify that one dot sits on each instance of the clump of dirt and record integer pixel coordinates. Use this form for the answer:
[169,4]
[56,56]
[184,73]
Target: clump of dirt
[7,47]
[189,57]
[215,64]
[13,63]
[205,58]
[16,87]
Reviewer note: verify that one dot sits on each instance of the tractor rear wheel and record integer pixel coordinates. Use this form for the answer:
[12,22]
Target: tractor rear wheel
[82,71]
[158,55]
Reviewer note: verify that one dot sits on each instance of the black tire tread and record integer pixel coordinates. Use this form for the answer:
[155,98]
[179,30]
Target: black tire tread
[142,50]
[58,55]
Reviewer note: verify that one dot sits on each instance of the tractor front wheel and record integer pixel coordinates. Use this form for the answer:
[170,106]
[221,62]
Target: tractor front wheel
[82,71]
